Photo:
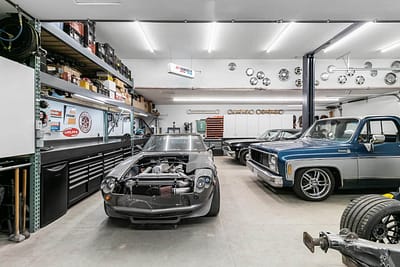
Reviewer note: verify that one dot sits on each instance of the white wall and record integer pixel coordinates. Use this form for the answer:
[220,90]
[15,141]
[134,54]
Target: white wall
[215,73]
[178,114]
[387,105]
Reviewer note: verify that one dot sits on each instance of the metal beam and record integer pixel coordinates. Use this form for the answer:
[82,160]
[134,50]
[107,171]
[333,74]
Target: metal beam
[308,91]
[321,21]
[337,37]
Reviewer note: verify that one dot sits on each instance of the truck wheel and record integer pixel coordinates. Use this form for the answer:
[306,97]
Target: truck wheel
[351,208]
[215,204]
[244,156]
[314,184]
[381,223]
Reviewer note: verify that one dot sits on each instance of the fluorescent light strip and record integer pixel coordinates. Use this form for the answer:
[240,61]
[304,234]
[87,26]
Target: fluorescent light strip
[279,36]
[88,99]
[97,3]
[348,36]
[141,114]
[250,100]
[212,36]
[144,36]
[390,47]
[125,109]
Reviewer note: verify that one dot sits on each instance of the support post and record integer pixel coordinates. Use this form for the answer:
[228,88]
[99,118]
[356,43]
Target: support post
[308,91]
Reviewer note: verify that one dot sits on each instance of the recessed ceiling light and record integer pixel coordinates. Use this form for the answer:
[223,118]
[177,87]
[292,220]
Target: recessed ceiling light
[212,29]
[144,36]
[390,47]
[278,37]
[98,2]
[348,36]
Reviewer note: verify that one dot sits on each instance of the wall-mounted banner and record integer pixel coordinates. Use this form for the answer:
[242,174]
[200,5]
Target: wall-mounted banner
[180,70]
[255,111]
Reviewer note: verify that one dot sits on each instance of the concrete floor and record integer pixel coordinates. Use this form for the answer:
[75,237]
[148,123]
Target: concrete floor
[256,227]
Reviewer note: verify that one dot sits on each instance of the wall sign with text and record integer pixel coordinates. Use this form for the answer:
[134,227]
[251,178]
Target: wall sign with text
[255,111]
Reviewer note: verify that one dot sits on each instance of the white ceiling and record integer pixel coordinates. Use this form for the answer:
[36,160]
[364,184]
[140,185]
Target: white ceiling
[234,40]
[216,9]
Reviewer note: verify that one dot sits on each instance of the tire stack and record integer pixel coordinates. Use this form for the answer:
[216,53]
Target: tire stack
[373,217]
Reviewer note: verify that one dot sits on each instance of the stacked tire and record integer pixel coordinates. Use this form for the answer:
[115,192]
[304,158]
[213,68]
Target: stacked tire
[373,217]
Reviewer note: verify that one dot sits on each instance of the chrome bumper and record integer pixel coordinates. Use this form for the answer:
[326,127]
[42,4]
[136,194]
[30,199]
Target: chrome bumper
[265,175]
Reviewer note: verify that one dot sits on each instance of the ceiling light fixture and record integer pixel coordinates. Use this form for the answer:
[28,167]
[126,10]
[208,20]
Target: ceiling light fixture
[212,28]
[144,36]
[348,36]
[249,100]
[283,31]
[390,47]
[88,99]
[98,2]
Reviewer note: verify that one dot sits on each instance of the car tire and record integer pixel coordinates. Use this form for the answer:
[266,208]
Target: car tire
[243,157]
[215,203]
[361,209]
[319,180]
[351,207]
[381,223]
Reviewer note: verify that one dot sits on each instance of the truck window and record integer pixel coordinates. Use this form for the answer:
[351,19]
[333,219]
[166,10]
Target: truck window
[388,128]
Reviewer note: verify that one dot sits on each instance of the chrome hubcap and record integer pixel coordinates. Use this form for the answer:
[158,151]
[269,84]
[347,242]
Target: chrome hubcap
[315,183]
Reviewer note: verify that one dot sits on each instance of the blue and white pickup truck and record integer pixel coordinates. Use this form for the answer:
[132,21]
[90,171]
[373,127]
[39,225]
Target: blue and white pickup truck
[333,153]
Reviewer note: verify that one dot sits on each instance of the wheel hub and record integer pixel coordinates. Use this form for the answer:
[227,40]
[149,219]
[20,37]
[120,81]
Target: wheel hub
[380,231]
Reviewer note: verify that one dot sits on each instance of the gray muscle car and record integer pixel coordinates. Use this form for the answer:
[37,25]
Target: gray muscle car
[173,177]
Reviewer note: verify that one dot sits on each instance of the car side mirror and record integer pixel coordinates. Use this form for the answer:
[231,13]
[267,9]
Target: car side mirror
[376,139]
[211,147]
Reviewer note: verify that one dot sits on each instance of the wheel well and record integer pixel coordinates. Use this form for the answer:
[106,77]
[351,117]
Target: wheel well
[242,151]
[335,172]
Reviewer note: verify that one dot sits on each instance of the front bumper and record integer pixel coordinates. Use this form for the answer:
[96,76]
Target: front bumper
[228,152]
[155,209]
[265,175]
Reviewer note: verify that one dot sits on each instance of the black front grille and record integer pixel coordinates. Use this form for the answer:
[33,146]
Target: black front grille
[259,157]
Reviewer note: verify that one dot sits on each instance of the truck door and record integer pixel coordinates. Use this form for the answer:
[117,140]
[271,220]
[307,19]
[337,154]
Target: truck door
[379,167]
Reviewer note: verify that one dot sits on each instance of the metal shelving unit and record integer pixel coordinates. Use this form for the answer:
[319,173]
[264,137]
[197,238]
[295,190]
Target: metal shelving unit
[55,39]
[60,84]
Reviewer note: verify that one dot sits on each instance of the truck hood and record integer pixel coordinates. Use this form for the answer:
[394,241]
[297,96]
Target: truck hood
[301,145]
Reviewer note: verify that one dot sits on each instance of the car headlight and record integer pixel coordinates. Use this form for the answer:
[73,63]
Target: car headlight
[201,183]
[273,163]
[108,185]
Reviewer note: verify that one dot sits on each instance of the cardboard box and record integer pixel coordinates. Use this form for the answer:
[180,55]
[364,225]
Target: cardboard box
[104,76]
[110,85]
[93,88]
[119,97]
[85,84]
[138,105]
[119,83]
[128,99]
[112,94]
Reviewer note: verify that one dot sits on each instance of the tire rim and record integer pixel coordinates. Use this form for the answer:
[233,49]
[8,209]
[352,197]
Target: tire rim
[247,156]
[387,230]
[315,183]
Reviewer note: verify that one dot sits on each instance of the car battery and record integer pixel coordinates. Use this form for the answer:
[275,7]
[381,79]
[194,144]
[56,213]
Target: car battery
[100,50]
[103,91]
[89,36]
[124,69]
[129,75]
[110,53]
[75,29]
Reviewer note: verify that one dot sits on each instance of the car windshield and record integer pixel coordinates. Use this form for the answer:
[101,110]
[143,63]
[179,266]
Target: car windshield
[333,129]
[174,143]
[269,135]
